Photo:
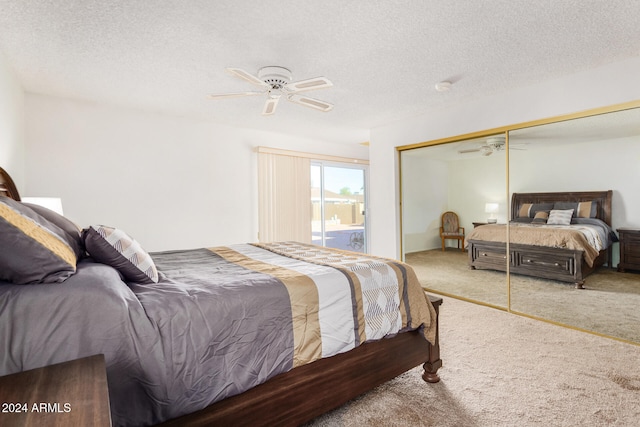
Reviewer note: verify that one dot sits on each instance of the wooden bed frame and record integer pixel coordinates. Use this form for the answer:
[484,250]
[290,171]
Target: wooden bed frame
[7,187]
[565,265]
[305,392]
[302,394]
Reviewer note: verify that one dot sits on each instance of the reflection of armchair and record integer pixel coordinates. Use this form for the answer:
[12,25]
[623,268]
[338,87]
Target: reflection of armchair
[356,240]
[450,229]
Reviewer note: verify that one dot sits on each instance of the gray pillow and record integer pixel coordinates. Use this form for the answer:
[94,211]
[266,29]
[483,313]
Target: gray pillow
[524,220]
[32,249]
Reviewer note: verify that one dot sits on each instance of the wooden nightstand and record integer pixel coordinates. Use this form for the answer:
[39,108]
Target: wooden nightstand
[629,249]
[72,393]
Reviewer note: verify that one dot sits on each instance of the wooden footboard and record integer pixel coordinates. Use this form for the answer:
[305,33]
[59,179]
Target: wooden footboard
[565,265]
[308,391]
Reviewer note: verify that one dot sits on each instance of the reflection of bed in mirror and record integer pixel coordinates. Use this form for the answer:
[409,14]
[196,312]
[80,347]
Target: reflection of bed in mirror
[567,253]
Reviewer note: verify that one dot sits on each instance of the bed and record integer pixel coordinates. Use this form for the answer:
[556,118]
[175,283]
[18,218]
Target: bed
[247,334]
[576,245]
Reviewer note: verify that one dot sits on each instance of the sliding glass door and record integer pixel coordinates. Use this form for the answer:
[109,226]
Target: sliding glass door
[338,200]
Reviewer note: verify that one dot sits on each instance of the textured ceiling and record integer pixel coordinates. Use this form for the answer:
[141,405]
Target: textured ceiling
[383,57]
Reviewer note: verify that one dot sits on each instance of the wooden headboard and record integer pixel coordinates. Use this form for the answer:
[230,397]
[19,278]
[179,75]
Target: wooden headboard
[603,199]
[7,187]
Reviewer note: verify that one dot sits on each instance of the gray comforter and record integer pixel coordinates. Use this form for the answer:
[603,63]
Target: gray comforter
[219,321]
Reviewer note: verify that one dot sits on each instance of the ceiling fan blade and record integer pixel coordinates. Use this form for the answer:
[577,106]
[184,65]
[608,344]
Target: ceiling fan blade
[471,150]
[270,106]
[235,95]
[237,72]
[311,102]
[309,84]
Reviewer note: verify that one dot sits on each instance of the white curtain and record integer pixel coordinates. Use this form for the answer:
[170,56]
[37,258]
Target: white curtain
[284,198]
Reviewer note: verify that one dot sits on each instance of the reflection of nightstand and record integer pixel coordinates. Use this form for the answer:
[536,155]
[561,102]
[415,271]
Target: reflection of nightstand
[629,249]
[72,393]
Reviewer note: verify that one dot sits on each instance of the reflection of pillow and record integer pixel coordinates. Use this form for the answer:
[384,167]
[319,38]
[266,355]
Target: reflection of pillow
[587,210]
[564,206]
[580,210]
[522,220]
[115,248]
[560,217]
[541,217]
[524,210]
[72,230]
[32,249]
[530,209]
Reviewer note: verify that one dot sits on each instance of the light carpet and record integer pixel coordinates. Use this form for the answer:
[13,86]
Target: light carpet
[501,369]
[608,305]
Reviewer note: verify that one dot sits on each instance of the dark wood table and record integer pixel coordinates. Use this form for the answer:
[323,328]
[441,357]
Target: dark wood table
[629,249]
[72,393]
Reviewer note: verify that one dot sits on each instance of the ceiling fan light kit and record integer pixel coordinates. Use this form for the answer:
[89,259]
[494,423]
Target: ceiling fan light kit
[277,77]
[270,106]
[276,81]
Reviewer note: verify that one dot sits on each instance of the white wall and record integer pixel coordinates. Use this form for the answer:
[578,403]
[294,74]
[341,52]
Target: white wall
[607,85]
[11,124]
[170,182]
[475,182]
[461,185]
[425,187]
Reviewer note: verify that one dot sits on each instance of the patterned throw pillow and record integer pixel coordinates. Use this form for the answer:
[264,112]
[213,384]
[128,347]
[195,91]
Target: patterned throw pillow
[116,248]
[560,217]
[32,249]
[540,218]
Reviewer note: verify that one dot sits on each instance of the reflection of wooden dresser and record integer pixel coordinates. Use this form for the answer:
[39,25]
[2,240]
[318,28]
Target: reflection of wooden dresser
[629,249]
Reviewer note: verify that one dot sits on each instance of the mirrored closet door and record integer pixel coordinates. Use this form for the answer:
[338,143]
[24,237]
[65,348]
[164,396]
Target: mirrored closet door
[476,176]
[596,153]
[447,191]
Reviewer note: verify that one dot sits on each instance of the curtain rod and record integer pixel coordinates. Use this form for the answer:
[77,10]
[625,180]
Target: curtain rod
[292,153]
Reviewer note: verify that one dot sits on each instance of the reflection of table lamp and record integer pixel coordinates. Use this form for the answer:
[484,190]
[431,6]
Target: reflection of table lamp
[53,203]
[491,208]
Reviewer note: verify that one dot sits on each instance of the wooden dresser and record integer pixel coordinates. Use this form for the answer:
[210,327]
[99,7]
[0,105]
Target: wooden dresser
[72,393]
[629,249]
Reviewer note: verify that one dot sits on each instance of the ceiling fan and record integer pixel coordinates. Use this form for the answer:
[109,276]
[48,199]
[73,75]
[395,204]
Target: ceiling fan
[492,145]
[276,82]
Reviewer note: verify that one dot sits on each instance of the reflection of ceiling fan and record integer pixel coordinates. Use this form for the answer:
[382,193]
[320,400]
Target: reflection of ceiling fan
[492,145]
[275,82]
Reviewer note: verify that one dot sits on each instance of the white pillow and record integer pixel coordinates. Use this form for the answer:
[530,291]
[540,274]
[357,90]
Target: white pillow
[560,217]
